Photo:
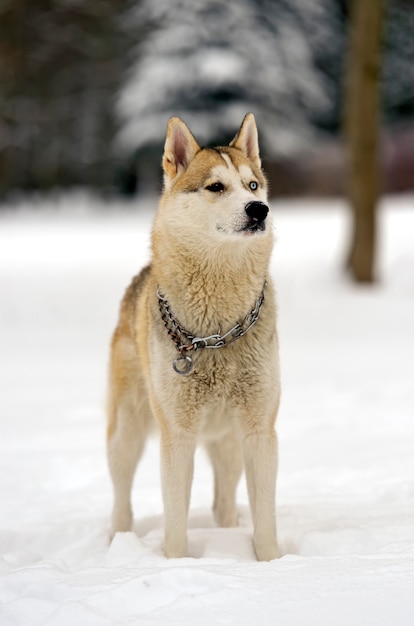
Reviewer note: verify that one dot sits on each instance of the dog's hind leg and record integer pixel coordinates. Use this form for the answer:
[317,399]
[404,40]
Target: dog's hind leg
[227,461]
[129,418]
[125,446]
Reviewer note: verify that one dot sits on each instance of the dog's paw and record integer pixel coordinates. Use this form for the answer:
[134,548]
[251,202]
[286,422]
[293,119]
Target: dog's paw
[266,550]
[121,522]
[226,518]
[175,547]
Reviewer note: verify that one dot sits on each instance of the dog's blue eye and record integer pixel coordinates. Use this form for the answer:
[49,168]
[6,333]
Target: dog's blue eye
[253,185]
[216,187]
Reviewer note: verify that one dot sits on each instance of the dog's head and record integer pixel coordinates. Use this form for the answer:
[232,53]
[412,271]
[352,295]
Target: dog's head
[218,193]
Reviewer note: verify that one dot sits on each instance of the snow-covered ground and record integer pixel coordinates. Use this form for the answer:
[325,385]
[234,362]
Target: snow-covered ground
[346,429]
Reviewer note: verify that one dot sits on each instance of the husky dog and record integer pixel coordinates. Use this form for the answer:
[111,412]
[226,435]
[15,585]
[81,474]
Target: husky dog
[196,346]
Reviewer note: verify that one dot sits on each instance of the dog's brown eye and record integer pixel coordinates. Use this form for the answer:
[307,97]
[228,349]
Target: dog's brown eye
[253,185]
[216,187]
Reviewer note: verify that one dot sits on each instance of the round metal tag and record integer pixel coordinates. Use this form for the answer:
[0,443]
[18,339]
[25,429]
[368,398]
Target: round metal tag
[183,365]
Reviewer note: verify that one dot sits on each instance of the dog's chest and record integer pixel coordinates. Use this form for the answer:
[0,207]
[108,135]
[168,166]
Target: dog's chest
[214,392]
[215,419]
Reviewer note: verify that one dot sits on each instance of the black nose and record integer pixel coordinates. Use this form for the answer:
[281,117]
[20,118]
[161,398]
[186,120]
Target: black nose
[257,211]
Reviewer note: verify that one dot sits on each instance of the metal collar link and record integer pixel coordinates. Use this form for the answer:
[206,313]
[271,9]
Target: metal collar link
[186,342]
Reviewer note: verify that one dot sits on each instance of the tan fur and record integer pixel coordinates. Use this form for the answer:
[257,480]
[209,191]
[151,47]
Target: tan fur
[211,272]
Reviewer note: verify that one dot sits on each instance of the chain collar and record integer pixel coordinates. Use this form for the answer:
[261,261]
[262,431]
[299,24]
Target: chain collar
[187,342]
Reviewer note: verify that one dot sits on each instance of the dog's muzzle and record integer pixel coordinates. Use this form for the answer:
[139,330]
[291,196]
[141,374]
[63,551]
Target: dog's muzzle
[257,212]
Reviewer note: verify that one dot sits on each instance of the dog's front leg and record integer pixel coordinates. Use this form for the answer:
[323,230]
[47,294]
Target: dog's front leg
[177,462]
[260,455]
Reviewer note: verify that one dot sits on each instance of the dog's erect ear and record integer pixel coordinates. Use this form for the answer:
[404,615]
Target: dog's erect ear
[247,140]
[180,148]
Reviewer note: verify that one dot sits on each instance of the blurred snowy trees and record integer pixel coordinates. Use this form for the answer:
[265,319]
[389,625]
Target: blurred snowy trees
[211,61]
[398,61]
[87,86]
[362,133]
[60,65]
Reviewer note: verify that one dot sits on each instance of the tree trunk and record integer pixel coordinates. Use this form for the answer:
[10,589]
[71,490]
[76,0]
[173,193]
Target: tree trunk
[361,126]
